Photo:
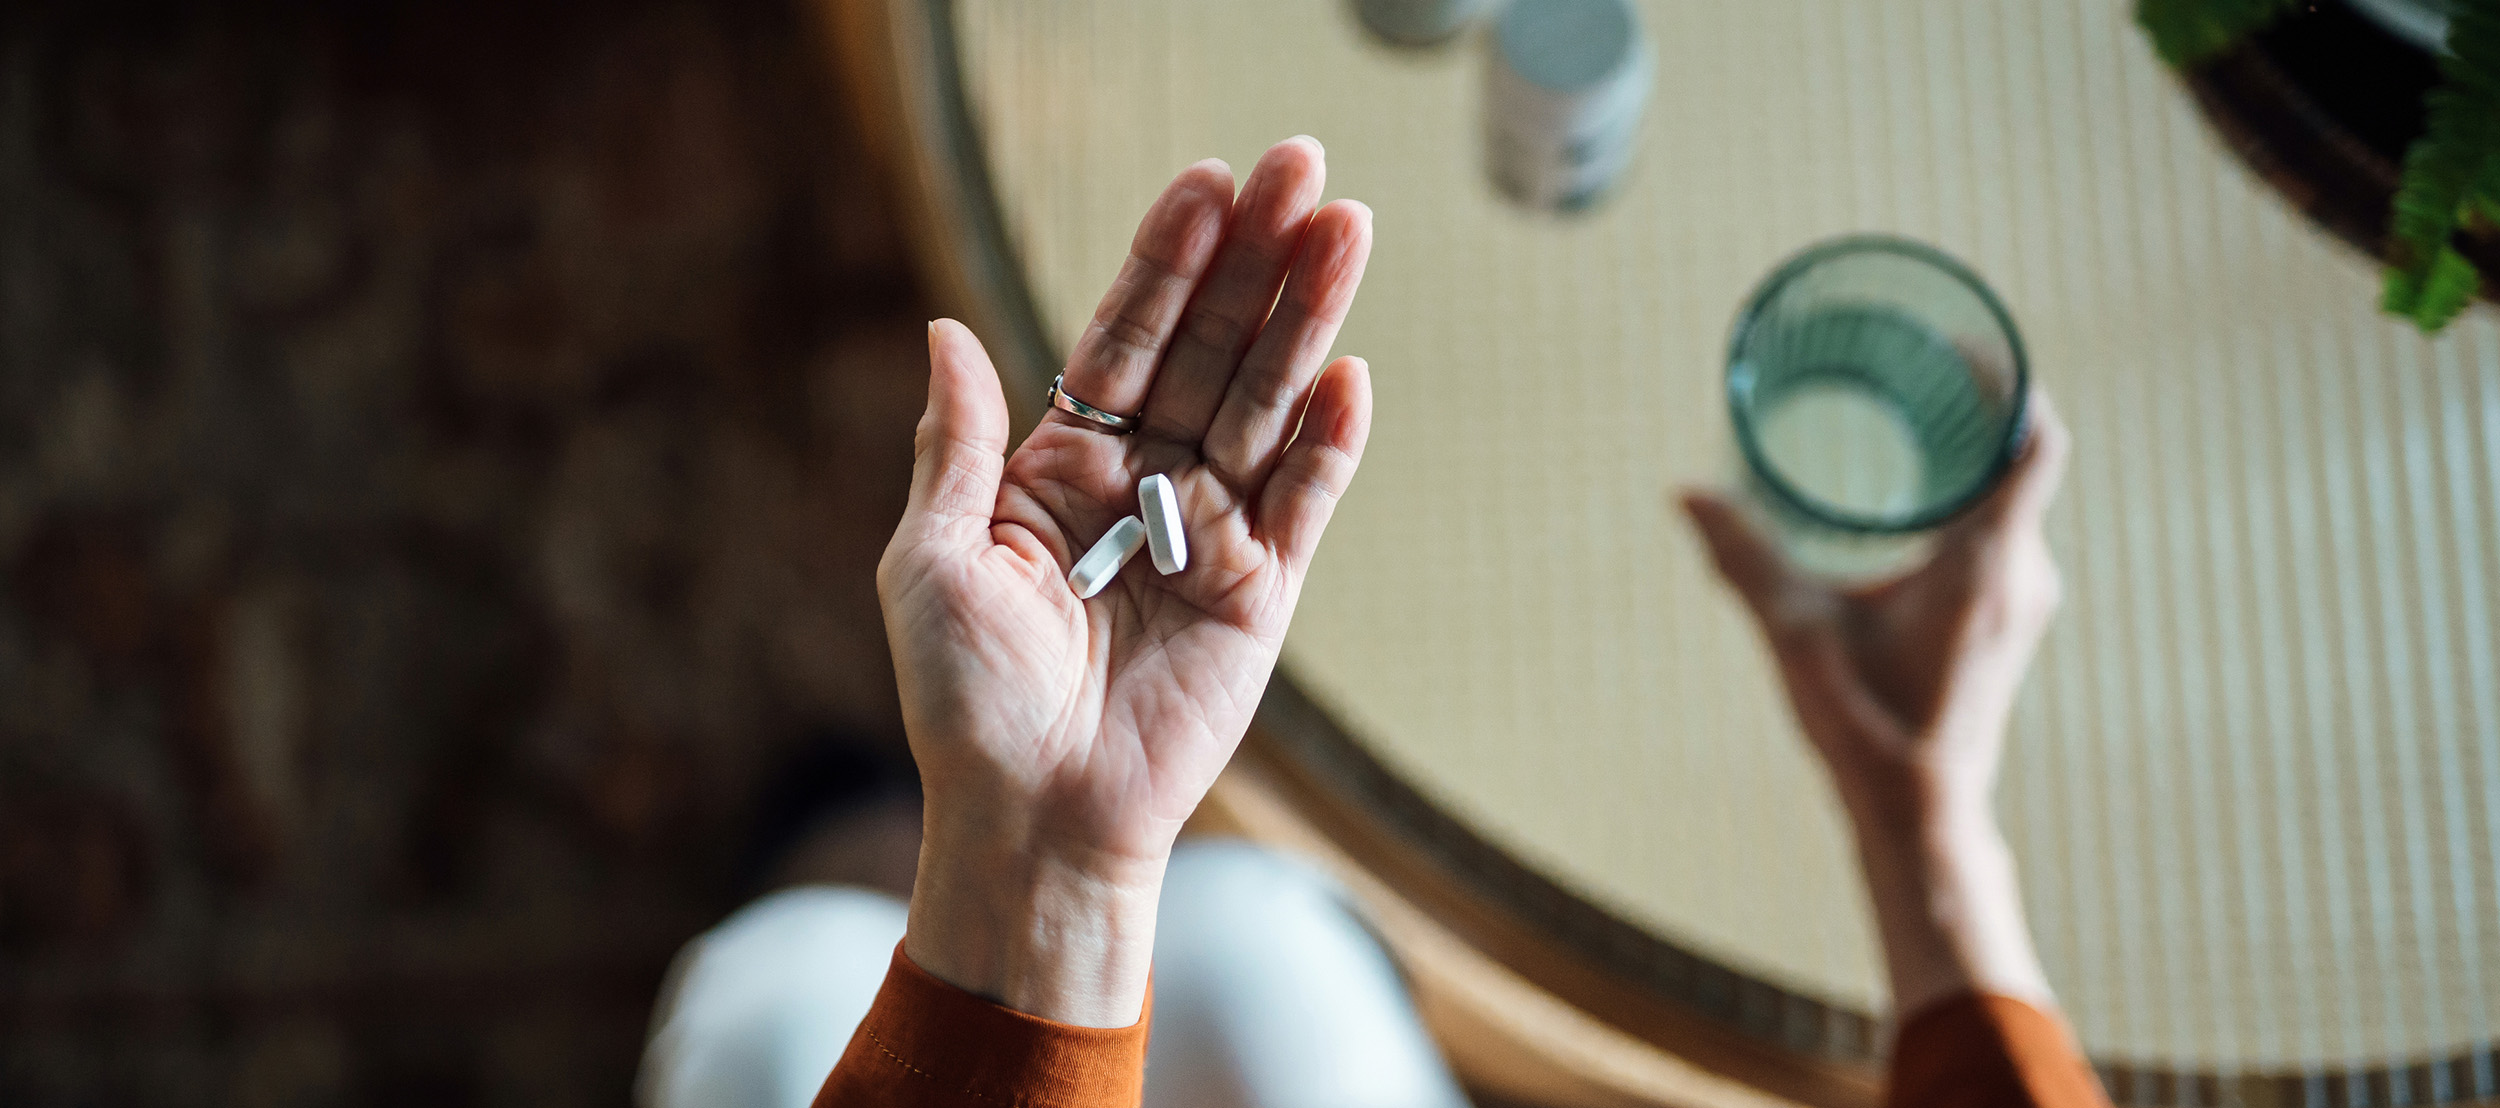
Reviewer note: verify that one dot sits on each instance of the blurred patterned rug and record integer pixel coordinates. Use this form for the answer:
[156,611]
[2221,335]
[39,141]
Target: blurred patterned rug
[444,450]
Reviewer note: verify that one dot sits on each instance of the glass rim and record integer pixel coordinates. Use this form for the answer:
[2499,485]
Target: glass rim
[1797,265]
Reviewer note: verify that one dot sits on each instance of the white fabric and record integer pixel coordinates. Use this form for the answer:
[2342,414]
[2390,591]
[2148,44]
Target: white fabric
[758,1009]
[1268,994]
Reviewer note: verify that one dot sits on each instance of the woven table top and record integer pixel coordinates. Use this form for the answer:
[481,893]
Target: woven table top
[2255,777]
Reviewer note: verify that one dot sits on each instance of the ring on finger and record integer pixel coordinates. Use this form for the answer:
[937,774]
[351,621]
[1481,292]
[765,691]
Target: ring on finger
[1060,399]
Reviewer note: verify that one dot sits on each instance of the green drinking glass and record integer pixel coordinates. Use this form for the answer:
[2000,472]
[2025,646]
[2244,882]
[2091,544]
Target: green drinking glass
[1878,390]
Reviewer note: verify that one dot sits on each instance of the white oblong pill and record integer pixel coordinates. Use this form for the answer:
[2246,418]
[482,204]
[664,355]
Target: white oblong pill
[1103,562]
[1161,505]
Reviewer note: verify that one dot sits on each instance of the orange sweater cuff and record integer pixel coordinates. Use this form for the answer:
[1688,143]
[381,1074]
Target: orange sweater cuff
[927,1044]
[1979,1049]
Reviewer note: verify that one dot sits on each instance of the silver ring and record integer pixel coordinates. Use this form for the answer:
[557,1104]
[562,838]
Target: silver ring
[1060,399]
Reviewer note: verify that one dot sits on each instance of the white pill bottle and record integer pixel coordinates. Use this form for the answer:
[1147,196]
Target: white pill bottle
[1565,85]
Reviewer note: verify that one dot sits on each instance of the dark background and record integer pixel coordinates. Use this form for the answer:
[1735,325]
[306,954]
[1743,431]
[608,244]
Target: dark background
[444,452]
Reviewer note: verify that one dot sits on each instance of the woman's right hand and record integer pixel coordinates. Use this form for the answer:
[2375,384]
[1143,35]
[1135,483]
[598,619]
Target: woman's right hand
[1904,689]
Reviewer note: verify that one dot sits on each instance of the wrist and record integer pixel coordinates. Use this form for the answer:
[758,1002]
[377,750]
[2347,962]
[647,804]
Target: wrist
[1003,911]
[1947,899]
[1917,802]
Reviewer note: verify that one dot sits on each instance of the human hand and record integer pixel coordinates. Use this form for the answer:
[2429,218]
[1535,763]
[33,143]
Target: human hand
[1904,689]
[1912,677]
[1062,743]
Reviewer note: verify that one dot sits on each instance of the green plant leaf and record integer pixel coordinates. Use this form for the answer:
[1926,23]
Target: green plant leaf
[2451,176]
[2433,295]
[2186,32]
[2483,212]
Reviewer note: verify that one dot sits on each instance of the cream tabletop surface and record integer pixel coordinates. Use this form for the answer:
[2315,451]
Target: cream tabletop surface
[2255,777]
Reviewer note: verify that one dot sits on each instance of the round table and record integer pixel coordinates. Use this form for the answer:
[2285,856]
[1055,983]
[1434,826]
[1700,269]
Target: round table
[2254,781]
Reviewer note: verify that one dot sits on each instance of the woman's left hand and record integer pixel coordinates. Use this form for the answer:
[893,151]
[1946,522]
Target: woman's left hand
[1062,742]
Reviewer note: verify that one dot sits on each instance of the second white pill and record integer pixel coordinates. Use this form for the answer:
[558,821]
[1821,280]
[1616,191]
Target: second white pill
[1103,562]
[1161,505]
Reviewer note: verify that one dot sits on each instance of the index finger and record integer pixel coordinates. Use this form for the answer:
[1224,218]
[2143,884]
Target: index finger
[1746,559]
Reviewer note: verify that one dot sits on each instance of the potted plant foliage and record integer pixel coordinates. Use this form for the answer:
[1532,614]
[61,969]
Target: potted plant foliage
[2445,207]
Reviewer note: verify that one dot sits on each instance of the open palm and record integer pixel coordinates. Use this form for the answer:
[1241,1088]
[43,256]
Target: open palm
[1102,722]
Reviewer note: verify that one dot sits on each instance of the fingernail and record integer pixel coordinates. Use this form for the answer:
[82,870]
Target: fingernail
[1322,151]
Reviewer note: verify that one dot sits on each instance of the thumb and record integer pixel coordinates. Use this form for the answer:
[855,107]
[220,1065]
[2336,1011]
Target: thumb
[959,449]
[2021,500]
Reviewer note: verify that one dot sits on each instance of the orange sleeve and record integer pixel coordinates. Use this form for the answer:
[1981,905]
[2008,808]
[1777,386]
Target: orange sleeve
[1976,1050]
[928,1044]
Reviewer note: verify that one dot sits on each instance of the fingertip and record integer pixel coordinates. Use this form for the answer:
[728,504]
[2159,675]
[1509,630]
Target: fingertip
[1335,251]
[947,342]
[1287,182]
[2020,500]
[1318,466]
[1283,191]
[2048,429]
[1298,146]
[1348,224]
[1199,197]
[963,385]
[1344,391]
[2044,406]
[1181,228]
[2042,461]
[1740,551]
[953,331]
[1356,369]
[1328,264]
[1206,187]
[1355,215]
[1298,152]
[1706,508]
[1699,511]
